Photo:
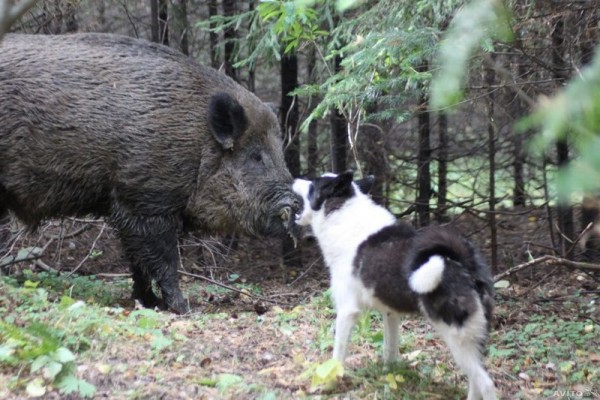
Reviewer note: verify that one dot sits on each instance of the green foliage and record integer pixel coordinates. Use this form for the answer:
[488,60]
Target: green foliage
[38,345]
[274,27]
[385,48]
[573,113]
[291,22]
[473,27]
[45,333]
[340,5]
[90,288]
[226,381]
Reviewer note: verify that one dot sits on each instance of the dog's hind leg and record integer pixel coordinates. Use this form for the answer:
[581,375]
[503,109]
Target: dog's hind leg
[465,342]
[391,322]
[344,322]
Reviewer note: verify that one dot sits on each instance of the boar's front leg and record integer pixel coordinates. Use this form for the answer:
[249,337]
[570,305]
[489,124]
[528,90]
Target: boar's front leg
[154,256]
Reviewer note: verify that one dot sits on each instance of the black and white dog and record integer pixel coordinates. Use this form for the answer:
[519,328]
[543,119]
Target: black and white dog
[378,263]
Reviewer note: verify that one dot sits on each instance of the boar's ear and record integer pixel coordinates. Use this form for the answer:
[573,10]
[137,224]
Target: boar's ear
[227,119]
[273,107]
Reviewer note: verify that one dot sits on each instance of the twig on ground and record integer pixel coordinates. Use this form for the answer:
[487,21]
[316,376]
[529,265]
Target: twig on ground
[8,260]
[551,261]
[69,235]
[88,255]
[39,263]
[113,275]
[246,293]
[303,273]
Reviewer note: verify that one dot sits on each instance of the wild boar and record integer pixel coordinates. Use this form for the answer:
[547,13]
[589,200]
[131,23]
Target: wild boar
[140,134]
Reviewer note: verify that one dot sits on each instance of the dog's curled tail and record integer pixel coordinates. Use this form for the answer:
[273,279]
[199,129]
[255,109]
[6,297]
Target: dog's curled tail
[440,256]
[428,276]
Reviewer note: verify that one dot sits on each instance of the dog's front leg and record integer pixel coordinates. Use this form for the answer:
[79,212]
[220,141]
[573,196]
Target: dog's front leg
[391,322]
[344,322]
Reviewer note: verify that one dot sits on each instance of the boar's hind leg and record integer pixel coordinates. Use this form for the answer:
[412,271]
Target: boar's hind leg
[154,256]
[4,227]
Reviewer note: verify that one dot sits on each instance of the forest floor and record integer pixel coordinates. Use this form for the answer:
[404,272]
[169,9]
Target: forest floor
[74,336]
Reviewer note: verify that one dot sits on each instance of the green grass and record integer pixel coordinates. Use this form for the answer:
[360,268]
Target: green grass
[70,336]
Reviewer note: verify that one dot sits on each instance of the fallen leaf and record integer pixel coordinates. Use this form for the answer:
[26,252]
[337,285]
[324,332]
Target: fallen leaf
[589,328]
[502,284]
[413,355]
[103,368]
[205,362]
[36,388]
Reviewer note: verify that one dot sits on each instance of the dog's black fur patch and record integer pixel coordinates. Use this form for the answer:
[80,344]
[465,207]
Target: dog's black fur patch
[380,263]
[386,259]
[336,190]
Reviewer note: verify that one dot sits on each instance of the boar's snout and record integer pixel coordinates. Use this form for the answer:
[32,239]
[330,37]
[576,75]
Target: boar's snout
[283,220]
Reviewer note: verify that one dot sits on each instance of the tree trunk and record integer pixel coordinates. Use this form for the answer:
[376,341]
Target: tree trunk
[423,158]
[565,211]
[372,150]
[312,149]
[213,36]
[180,26]
[251,84]
[289,112]
[229,37]
[71,24]
[339,135]
[520,109]
[52,17]
[158,24]
[292,256]
[442,159]
[518,171]
[489,80]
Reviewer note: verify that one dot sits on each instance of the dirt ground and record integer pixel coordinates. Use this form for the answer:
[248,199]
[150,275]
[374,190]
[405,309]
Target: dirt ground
[256,341]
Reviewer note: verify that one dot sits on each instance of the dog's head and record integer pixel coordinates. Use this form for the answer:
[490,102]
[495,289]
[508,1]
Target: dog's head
[329,186]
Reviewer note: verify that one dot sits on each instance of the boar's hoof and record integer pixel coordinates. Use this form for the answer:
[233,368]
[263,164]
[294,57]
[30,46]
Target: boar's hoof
[178,307]
[146,296]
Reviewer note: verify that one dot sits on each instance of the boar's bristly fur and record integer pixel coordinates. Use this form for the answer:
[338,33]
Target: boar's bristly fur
[136,132]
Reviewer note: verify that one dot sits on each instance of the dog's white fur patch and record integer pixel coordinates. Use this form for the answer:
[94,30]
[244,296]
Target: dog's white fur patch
[302,186]
[464,345]
[429,275]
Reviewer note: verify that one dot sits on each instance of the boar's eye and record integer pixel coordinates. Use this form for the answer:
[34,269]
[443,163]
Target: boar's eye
[257,156]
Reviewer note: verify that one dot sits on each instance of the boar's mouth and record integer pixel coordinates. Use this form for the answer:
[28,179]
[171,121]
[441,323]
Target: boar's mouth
[288,218]
[282,219]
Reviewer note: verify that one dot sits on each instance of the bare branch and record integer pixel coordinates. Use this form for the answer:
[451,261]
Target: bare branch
[10,13]
[550,261]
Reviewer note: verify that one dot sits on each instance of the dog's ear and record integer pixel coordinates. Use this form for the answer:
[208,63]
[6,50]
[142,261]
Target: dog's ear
[342,184]
[365,184]
[329,186]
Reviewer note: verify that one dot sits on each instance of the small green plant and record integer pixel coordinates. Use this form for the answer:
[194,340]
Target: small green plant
[88,288]
[42,335]
[323,375]
[39,347]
